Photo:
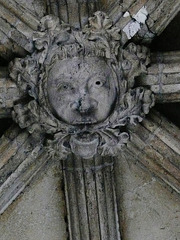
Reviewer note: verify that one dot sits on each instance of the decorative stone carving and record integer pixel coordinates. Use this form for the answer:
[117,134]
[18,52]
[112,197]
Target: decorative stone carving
[79,87]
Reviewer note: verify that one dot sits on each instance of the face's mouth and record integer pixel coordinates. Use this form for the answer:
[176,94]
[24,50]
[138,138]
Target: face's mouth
[85,141]
[86,136]
[85,144]
[85,121]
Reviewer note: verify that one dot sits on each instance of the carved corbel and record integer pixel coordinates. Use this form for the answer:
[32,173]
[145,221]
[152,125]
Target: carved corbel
[80,100]
[79,87]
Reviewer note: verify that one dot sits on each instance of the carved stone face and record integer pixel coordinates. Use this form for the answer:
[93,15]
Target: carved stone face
[82,91]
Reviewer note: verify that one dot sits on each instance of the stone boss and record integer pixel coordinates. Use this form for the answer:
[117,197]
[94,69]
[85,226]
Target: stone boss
[78,87]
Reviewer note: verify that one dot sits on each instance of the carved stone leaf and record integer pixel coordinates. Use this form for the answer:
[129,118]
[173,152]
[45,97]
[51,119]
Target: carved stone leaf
[133,107]
[135,60]
[112,141]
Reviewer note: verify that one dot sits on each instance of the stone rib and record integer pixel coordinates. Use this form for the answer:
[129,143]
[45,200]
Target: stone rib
[160,14]
[16,32]
[163,77]
[77,12]
[155,144]
[17,25]
[21,13]
[20,166]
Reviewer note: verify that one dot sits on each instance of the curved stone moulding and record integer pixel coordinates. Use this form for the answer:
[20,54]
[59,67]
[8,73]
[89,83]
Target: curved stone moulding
[163,77]
[155,145]
[47,115]
[77,13]
[160,13]
[17,24]
[20,160]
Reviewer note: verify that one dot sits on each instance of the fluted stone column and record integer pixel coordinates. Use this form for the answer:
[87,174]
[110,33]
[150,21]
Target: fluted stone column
[91,198]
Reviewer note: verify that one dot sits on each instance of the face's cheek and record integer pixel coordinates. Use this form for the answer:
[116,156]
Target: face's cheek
[64,108]
[105,96]
[105,103]
[59,99]
[62,103]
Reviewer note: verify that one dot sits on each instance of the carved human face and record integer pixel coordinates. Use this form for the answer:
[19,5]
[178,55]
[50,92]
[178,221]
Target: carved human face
[82,91]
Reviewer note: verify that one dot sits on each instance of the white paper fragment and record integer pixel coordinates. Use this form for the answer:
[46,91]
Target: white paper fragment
[131,29]
[141,16]
[135,25]
[126,14]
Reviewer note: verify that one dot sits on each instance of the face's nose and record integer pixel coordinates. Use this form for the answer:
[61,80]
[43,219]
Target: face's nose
[84,105]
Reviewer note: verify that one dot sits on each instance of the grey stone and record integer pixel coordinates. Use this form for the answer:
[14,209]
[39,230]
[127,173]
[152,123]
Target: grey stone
[148,210]
[75,99]
[39,212]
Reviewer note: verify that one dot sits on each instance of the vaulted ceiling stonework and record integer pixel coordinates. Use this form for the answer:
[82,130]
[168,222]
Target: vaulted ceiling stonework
[87,150]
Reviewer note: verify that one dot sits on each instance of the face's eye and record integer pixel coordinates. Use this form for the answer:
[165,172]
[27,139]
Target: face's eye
[64,87]
[98,83]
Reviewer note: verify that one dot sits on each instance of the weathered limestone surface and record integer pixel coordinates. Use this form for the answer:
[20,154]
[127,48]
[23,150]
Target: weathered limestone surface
[9,93]
[155,144]
[78,88]
[91,198]
[148,210]
[160,13]
[163,77]
[36,7]
[77,12]
[21,160]
[18,20]
[39,212]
